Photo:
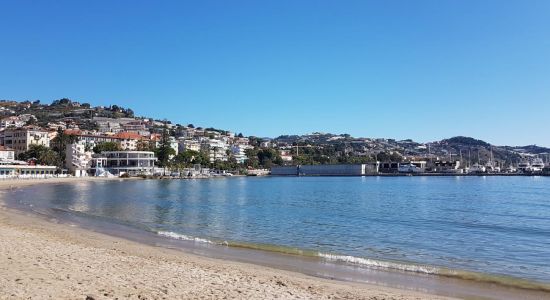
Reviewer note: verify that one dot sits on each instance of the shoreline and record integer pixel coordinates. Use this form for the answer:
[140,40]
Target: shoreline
[41,258]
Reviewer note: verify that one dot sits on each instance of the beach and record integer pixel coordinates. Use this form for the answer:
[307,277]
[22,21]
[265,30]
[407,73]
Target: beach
[42,258]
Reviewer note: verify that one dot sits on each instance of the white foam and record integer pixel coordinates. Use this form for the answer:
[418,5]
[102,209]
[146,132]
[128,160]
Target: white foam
[183,237]
[380,264]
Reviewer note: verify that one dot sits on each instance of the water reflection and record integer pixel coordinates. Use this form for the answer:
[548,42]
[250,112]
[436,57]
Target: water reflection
[496,224]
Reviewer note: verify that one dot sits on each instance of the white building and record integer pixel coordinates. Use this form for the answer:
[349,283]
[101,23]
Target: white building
[239,152]
[120,162]
[11,122]
[111,124]
[285,155]
[20,169]
[216,149]
[77,160]
[6,153]
[20,139]
[188,144]
[174,145]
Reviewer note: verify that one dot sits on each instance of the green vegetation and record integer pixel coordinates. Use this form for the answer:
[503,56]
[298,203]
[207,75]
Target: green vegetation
[59,144]
[263,158]
[164,151]
[107,146]
[42,155]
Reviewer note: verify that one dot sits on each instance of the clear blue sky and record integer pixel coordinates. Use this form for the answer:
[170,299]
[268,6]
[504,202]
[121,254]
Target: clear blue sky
[424,70]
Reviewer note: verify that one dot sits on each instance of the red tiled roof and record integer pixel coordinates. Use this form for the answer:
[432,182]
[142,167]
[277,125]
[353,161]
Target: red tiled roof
[128,136]
[73,132]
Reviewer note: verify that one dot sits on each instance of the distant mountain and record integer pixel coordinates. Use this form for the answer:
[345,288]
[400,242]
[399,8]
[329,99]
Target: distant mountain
[464,140]
[532,149]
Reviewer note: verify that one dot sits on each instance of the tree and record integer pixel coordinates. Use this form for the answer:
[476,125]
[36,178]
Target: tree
[190,125]
[164,151]
[187,157]
[42,155]
[60,142]
[107,146]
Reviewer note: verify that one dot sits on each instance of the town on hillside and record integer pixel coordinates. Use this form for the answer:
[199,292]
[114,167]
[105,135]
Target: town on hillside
[70,138]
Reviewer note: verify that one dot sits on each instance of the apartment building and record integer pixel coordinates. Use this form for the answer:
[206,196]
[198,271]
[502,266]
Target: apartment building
[20,139]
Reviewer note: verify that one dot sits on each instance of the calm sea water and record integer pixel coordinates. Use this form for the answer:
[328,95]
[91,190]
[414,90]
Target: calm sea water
[491,225]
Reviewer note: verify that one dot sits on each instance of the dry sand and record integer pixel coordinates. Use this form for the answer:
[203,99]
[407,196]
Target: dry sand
[40,259]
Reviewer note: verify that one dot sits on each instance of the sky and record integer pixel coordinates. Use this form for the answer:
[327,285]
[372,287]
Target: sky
[424,70]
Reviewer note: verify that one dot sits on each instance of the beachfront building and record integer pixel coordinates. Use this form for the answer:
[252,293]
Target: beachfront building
[20,139]
[10,168]
[77,160]
[6,153]
[121,162]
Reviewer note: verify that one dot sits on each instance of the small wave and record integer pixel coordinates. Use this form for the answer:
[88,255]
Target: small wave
[366,262]
[184,237]
[372,263]
[460,274]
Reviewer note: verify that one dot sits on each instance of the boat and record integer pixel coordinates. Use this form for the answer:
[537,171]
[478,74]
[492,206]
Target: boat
[409,168]
[537,165]
[511,169]
[524,167]
[477,168]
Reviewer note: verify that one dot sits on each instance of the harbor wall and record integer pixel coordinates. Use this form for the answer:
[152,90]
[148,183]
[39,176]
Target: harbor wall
[285,171]
[326,170]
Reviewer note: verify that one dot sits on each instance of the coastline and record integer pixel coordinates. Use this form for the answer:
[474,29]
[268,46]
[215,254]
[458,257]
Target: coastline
[41,258]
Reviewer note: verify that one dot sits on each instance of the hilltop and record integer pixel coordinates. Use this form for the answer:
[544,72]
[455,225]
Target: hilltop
[314,148]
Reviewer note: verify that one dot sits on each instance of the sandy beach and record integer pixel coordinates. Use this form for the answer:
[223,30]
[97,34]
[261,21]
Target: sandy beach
[42,259]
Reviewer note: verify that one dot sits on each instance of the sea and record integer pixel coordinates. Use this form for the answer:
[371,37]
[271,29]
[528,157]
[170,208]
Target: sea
[487,230]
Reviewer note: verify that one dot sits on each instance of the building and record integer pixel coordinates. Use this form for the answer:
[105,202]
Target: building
[216,149]
[286,155]
[188,144]
[111,125]
[174,145]
[12,121]
[20,139]
[389,167]
[403,167]
[128,140]
[20,169]
[447,166]
[77,160]
[121,162]
[6,153]
[239,152]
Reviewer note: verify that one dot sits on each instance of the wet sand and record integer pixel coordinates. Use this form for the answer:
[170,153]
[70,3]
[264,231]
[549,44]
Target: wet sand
[42,259]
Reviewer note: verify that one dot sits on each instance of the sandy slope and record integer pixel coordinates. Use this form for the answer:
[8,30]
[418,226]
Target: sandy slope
[40,259]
